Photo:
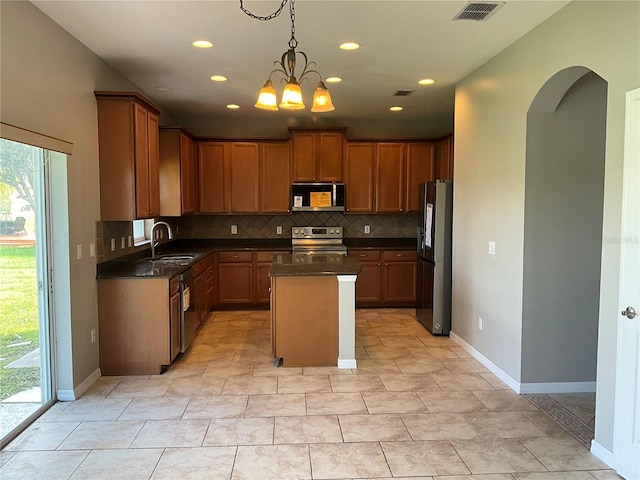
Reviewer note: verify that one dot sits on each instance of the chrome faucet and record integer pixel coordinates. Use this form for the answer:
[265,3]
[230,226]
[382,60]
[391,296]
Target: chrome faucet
[153,238]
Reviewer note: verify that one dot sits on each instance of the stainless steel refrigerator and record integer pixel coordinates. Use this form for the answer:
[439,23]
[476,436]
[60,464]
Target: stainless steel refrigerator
[433,296]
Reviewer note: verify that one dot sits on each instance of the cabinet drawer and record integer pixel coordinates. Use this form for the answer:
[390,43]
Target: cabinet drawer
[365,255]
[399,255]
[262,257]
[234,257]
[174,285]
[202,265]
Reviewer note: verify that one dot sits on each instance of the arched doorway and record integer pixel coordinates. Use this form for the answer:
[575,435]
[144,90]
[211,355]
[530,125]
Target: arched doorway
[564,198]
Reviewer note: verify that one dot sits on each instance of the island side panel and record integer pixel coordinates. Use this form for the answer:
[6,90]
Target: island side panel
[133,326]
[306,320]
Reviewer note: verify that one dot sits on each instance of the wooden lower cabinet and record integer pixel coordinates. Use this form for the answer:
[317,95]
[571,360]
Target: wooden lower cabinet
[399,276]
[387,278]
[243,278]
[139,325]
[304,320]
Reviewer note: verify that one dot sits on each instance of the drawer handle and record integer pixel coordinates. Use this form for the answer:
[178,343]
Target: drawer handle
[363,254]
[234,256]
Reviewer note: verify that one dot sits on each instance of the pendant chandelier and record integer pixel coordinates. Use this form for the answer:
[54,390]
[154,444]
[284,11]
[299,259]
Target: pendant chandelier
[292,94]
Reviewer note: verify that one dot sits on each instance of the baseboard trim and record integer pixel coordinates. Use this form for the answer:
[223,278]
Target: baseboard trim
[71,395]
[344,364]
[602,453]
[556,387]
[493,368]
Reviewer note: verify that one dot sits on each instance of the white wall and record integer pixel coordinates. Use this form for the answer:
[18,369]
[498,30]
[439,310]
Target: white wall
[490,149]
[48,79]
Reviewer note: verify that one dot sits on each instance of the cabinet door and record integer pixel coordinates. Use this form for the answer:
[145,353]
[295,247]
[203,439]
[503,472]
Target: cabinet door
[211,177]
[141,156]
[368,283]
[359,177]
[263,262]
[236,285]
[399,276]
[154,164]
[304,157]
[188,167]
[275,178]
[244,177]
[444,159]
[330,163]
[420,169]
[390,177]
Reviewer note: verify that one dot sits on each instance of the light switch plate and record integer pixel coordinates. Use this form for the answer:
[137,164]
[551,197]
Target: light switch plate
[234,229]
[367,229]
[92,250]
[79,251]
[113,244]
[492,247]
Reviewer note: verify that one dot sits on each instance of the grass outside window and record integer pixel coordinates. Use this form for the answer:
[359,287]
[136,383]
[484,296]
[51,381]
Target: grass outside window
[19,326]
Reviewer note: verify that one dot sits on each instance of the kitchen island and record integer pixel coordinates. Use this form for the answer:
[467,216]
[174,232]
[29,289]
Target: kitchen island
[313,309]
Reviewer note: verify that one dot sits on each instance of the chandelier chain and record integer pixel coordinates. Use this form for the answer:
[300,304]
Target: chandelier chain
[266,17]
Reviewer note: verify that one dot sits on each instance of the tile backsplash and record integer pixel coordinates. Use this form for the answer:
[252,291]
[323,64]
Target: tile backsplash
[255,227]
[265,226]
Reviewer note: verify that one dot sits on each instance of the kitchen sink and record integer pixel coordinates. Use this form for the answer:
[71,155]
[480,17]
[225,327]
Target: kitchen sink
[170,259]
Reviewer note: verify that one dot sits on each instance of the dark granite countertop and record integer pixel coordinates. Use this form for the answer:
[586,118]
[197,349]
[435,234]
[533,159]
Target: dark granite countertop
[138,265]
[288,265]
[380,243]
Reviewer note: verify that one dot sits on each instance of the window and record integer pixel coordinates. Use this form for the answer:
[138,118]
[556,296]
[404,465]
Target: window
[142,231]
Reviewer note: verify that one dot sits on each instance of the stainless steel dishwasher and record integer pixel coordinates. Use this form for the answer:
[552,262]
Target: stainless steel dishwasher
[188,312]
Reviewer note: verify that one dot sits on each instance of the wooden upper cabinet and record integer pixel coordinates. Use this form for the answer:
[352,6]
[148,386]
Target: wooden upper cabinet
[359,175]
[244,177]
[178,189]
[420,169]
[317,156]
[212,188]
[129,151]
[444,159]
[389,196]
[275,177]
[228,177]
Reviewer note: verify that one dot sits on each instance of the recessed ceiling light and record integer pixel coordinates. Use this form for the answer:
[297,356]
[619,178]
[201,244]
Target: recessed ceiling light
[349,46]
[427,81]
[333,80]
[233,106]
[218,78]
[202,44]
[396,109]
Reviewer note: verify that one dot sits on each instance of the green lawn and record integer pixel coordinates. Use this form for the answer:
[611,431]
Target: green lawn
[18,318]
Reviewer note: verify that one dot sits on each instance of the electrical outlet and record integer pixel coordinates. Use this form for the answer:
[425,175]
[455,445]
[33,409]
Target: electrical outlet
[93,335]
[113,244]
[129,241]
[123,243]
[177,230]
[79,251]
[492,247]
[480,323]
[279,229]
[367,229]
[234,229]
[92,250]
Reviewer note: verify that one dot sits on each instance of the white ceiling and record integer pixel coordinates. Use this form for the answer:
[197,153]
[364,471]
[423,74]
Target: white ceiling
[149,42]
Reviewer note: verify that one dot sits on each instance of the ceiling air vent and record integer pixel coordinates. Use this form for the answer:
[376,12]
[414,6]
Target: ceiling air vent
[403,93]
[478,11]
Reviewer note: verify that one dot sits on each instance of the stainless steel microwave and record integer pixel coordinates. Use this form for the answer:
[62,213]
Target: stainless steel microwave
[313,197]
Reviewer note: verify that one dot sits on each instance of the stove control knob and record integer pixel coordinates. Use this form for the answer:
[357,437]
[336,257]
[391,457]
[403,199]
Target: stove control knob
[331,231]
[295,230]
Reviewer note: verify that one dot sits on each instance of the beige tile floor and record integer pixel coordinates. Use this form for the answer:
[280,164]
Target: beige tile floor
[417,407]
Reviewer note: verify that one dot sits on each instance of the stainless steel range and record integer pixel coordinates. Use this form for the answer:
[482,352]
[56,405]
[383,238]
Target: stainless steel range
[323,240]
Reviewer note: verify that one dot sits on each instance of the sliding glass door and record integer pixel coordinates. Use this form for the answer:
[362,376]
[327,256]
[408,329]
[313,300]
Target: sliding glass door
[25,323]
